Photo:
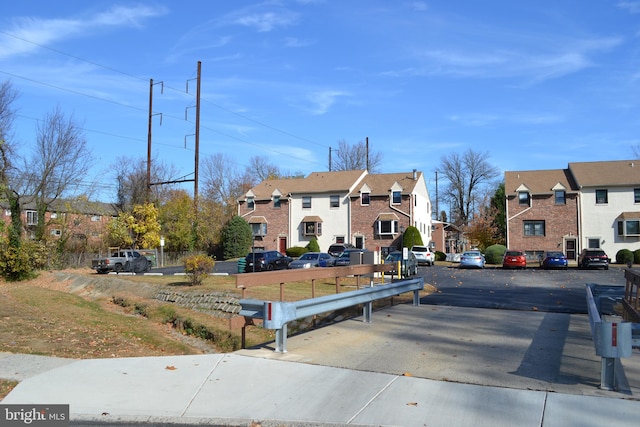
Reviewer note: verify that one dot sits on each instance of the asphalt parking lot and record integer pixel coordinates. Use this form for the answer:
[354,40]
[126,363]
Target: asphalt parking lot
[535,289]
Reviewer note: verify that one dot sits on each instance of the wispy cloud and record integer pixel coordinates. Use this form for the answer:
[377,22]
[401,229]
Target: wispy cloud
[323,100]
[631,6]
[27,33]
[531,64]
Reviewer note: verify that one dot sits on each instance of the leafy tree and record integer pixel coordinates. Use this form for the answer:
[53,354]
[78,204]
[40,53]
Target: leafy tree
[411,237]
[237,238]
[176,219]
[468,175]
[139,228]
[482,230]
[354,157]
[499,204]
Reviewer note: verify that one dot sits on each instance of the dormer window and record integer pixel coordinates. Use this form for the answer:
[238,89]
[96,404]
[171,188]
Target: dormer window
[276,202]
[364,199]
[396,197]
[524,198]
[250,203]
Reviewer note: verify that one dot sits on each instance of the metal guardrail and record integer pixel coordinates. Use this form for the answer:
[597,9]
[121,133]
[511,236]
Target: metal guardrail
[277,314]
[612,336]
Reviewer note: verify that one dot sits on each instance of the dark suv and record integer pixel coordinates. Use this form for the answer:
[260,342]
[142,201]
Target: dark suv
[337,248]
[593,258]
[266,260]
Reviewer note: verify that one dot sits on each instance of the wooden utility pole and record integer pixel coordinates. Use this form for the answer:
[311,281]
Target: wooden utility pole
[197,156]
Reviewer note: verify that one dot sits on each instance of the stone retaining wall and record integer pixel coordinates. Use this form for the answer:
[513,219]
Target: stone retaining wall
[215,303]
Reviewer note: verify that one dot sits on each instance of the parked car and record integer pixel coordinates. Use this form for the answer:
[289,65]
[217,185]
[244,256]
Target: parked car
[471,259]
[554,260]
[345,257]
[337,248]
[409,266]
[593,258]
[424,255]
[266,260]
[313,259]
[514,259]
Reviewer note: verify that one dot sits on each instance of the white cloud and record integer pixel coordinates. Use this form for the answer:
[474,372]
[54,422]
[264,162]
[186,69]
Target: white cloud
[267,21]
[323,100]
[28,33]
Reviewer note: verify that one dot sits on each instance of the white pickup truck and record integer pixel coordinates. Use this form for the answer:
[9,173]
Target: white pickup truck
[122,261]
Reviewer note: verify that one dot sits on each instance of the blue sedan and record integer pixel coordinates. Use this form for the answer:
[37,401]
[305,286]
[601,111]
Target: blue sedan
[554,260]
[472,259]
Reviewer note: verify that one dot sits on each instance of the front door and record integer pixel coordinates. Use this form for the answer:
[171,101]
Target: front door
[570,248]
[359,242]
[282,245]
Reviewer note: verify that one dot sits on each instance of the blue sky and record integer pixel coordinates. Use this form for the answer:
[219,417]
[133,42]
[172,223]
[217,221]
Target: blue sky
[536,84]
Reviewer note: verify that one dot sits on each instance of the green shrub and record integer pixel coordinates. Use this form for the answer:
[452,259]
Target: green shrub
[624,256]
[237,238]
[313,245]
[494,254]
[20,262]
[296,251]
[636,256]
[411,237]
[198,267]
[441,256]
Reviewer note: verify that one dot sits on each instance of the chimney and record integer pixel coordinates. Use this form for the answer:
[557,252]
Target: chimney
[415,174]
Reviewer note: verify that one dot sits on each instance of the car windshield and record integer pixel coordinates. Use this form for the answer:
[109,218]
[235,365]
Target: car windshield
[309,257]
[555,255]
[393,257]
[419,249]
[513,253]
[471,254]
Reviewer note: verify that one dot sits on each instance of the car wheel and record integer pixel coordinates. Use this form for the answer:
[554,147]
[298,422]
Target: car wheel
[118,268]
[270,267]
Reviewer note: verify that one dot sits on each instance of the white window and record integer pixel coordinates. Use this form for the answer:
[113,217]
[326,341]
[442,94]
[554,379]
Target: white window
[334,201]
[629,227]
[397,197]
[32,218]
[387,227]
[250,203]
[523,198]
[312,228]
[364,199]
[306,202]
[56,233]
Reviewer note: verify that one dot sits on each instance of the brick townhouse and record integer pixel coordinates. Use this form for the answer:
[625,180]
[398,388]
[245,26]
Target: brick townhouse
[355,207]
[586,205]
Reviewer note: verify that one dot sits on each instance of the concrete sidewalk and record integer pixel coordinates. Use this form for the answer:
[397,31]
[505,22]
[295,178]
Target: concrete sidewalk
[412,366]
[237,390]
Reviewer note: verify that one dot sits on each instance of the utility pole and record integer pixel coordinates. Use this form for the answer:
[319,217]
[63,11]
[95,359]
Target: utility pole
[197,156]
[367,154]
[329,159]
[149,136]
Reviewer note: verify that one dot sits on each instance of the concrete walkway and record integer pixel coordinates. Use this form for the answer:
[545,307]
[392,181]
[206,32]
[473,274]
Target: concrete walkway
[395,371]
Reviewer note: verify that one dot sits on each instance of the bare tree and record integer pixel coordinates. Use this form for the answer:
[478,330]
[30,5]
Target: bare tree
[469,175]
[260,169]
[635,151]
[354,157]
[223,182]
[131,176]
[7,114]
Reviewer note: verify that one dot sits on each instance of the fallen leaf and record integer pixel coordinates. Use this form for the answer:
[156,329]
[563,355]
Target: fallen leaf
[412,404]
[170,368]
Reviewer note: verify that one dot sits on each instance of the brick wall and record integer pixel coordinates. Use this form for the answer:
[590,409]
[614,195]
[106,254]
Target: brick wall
[363,221]
[277,222]
[560,221]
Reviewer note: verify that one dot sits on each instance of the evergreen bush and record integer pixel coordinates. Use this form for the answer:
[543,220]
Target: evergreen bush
[624,256]
[296,251]
[494,254]
[313,245]
[237,238]
[411,237]
[636,256]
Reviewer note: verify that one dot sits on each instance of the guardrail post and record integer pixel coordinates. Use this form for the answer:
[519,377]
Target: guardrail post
[281,339]
[367,312]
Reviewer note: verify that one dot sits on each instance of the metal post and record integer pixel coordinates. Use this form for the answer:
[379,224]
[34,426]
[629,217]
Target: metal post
[367,312]
[281,339]
[608,373]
